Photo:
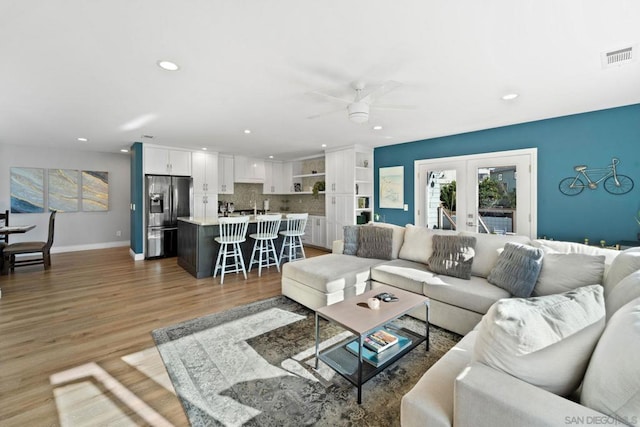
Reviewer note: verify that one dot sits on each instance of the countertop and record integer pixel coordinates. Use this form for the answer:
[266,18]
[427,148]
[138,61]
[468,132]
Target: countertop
[214,221]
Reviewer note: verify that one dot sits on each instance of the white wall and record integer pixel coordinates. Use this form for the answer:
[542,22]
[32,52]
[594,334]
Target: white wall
[74,230]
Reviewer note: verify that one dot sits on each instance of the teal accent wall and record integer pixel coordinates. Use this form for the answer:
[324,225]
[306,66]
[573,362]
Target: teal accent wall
[137,181]
[590,138]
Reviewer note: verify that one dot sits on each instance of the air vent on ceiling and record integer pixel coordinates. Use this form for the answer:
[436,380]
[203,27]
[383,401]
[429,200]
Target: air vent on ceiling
[148,136]
[617,57]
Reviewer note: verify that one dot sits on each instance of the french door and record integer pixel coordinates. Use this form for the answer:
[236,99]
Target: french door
[488,193]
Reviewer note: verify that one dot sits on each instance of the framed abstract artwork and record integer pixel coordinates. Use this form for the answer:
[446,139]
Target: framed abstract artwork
[95,191]
[27,190]
[63,190]
[392,187]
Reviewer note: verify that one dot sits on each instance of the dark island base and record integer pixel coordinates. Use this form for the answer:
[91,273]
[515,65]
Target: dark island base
[197,249]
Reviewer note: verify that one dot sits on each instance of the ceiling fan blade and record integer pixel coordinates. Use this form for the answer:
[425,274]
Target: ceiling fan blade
[380,90]
[327,97]
[326,113]
[390,107]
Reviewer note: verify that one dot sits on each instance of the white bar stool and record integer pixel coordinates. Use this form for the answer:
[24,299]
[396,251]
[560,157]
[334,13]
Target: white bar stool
[293,237]
[265,236]
[233,231]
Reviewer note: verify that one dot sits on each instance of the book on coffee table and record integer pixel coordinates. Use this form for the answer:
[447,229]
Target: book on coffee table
[377,359]
[380,340]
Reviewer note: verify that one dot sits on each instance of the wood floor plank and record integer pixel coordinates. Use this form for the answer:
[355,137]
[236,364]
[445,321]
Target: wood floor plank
[82,318]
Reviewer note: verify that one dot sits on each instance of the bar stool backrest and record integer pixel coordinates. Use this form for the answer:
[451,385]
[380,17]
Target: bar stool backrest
[296,224]
[268,225]
[233,229]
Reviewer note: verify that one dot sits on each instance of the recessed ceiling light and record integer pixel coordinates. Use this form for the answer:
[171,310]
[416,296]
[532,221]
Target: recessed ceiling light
[377,127]
[168,65]
[124,150]
[271,157]
[510,96]
[204,148]
[82,139]
[247,131]
[324,145]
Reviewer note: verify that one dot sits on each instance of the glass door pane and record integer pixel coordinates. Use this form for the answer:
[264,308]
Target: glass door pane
[441,199]
[496,201]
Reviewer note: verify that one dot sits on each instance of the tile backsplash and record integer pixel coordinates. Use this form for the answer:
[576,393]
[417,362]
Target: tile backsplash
[245,194]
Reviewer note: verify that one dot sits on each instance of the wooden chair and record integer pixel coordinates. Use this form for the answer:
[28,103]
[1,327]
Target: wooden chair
[4,220]
[233,231]
[44,248]
[264,249]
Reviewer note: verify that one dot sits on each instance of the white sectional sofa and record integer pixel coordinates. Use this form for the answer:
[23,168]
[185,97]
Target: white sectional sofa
[465,387]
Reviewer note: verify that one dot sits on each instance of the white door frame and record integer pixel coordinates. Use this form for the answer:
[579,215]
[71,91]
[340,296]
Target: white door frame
[466,163]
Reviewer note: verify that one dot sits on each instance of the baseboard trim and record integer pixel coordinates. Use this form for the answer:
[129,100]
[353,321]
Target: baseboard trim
[77,248]
[135,256]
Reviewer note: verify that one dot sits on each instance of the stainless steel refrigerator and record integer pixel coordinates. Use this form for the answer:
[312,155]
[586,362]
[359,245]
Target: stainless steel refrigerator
[168,197]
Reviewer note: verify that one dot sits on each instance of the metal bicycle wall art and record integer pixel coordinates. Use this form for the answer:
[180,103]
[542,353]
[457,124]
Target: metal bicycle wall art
[614,183]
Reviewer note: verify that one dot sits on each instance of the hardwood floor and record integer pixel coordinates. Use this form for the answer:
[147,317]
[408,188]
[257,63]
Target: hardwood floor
[70,336]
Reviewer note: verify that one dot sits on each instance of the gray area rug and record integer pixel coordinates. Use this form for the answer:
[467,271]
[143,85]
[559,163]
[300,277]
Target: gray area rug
[254,365]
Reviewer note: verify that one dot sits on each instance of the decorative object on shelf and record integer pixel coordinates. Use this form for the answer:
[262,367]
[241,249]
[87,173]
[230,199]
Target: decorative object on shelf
[317,187]
[365,163]
[392,187]
[297,187]
[614,183]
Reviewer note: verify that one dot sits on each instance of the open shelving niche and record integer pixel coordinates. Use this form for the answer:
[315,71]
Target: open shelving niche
[364,184]
[306,172]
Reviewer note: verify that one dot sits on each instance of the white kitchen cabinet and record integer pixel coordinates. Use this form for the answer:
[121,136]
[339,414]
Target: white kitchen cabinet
[273,183]
[315,231]
[225,174]
[205,185]
[164,161]
[319,231]
[249,170]
[349,189]
[205,172]
[205,206]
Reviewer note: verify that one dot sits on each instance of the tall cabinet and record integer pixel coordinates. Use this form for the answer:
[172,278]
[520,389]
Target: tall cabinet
[349,189]
[205,185]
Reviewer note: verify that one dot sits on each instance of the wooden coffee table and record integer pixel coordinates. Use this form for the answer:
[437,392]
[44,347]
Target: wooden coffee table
[354,315]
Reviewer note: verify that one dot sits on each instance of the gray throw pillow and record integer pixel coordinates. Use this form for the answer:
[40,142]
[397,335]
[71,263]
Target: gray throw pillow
[375,242]
[517,269]
[351,233]
[452,255]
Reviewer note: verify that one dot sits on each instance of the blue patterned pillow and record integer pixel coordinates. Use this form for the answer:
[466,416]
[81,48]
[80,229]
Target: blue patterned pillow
[517,269]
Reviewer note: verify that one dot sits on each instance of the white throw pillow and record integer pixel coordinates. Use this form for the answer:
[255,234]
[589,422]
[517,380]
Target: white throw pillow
[488,247]
[545,341]
[611,383]
[628,289]
[563,272]
[623,265]
[418,245]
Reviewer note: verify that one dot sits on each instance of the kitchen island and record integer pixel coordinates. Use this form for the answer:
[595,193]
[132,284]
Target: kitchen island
[197,249]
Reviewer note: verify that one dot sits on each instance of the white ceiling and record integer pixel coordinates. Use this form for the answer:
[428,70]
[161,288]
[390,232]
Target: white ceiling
[78,68]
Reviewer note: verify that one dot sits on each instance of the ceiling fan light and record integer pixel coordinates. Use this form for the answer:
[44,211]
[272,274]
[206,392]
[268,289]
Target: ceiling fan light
[359,112]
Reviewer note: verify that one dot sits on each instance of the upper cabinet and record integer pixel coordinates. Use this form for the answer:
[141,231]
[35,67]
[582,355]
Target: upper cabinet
[205,172]
[225,174]
[164,161]
[249,170]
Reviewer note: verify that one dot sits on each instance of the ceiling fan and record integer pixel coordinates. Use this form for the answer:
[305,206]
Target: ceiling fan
[358,108]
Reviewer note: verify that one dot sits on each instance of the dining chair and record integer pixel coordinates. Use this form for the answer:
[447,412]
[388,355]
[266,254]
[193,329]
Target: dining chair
[4,220]
[264,247]
[293,237]
[233,231]
[44,248]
